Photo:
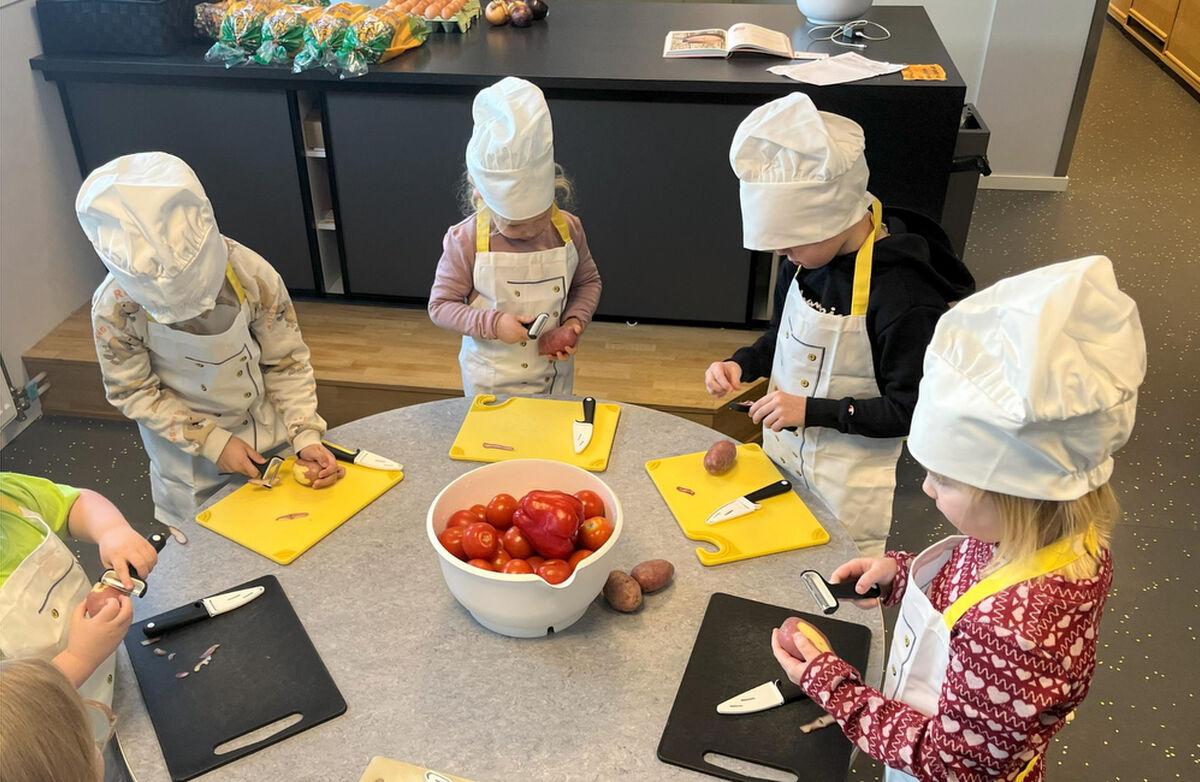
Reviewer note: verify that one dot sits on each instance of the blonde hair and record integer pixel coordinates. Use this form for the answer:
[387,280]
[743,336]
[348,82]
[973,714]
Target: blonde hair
[1029,525]
[44,728]
[564,192]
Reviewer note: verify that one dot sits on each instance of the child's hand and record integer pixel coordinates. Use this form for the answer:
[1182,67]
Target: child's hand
[869,572]
[511,329]
[91,639]
[777,410]
[723,377]
[121,547]
[792,666]
[330,472]
[238,457]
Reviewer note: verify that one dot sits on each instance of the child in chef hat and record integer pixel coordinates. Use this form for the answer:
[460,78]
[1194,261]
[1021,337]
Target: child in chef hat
[1030,386]
[859,292]
[197,337]
[516,256]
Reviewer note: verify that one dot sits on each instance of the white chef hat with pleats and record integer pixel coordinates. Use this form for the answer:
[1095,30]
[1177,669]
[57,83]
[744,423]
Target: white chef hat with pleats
[803,174]
[510,157]
[1031,385]
[152,225]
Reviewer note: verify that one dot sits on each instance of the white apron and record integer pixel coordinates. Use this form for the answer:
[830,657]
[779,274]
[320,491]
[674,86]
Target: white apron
[36,604]
[525,285]
[828,355]
[217,375]
[920,652]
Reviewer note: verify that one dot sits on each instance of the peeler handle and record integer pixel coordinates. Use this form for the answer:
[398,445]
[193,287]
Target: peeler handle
[845,591]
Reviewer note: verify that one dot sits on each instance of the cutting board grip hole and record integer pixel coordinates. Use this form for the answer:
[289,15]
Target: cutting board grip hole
[748,769]
[255,736]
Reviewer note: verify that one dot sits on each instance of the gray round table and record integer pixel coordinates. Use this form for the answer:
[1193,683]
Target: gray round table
[424,683]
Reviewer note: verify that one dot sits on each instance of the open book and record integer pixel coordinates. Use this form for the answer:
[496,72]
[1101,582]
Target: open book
[742,37]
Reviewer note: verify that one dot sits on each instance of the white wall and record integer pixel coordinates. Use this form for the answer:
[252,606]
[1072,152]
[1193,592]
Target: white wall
[963,26]
[47,267]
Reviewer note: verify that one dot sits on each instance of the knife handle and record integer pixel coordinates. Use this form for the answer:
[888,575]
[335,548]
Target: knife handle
[771,490]
[176,618]
[340,453]
[589,409]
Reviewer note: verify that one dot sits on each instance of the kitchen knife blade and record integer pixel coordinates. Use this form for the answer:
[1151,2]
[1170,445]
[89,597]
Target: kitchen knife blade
[747,504]
[362,457]
[110,577]
[201,609]
[582,430]
[765,696]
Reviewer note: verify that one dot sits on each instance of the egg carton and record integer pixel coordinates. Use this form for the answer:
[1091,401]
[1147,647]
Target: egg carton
[460,22]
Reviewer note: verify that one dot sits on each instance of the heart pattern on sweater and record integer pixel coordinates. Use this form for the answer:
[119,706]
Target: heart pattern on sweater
[973,681]
[874,703]
[1023,674]
[995,726]
[970,710]
[973,738]
[996,752]
[998,662]
[1077,647]
[1062,623]
[949,725]
[997,696]
[1019,613]
[1024,709]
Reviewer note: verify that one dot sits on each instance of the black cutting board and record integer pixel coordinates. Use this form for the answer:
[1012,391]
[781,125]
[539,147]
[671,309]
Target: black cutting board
[265,670]
[732,653]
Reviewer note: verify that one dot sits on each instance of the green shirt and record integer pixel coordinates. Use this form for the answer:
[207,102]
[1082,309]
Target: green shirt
[18,535]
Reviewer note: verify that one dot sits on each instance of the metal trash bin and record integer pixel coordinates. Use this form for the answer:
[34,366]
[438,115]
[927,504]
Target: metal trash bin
[970,162]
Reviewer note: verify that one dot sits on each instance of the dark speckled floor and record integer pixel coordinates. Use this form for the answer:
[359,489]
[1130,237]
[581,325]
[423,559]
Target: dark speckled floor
[1133,196]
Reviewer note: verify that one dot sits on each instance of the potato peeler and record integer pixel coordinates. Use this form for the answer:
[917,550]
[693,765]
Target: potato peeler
[827,595]
[158,540]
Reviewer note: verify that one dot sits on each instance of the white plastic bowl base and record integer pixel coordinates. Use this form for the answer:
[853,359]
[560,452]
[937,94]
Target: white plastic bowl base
[521,606]
[832,11]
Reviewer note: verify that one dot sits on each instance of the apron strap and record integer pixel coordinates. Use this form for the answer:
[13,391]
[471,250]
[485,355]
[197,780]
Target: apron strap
[483,227]
[862,263]
[230,275]
[1045,560]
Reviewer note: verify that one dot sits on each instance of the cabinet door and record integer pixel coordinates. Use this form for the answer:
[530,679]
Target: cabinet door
[1158,15]
[1184,44]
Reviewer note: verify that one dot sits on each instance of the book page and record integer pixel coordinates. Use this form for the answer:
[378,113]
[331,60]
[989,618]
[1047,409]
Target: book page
[751,36]
[695,43]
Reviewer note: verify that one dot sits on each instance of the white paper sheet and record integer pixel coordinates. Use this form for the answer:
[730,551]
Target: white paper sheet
[843,68]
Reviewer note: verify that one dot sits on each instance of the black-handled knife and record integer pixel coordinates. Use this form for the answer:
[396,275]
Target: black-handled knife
[740,506]
[201,609]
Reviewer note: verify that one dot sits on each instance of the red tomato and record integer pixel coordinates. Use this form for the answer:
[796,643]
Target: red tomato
[451,540]
[480,512]
[592,504]
[500,559]
[595,532]
[500,511]
[480,541]
[554,571]
[462,518]
[482,564]
[516,566]
[578,557]
[535,562]
[516,544]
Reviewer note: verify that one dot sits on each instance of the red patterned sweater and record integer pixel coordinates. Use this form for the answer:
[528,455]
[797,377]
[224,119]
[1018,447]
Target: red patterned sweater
[1020,662]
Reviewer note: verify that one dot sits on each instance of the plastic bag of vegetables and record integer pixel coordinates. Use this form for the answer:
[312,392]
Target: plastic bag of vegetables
[378,36]
[324,34]
[283,33]
[207,19]
[241,32]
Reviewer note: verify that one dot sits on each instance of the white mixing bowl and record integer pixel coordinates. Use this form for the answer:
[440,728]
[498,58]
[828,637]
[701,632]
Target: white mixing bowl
[832,11]
[522,606]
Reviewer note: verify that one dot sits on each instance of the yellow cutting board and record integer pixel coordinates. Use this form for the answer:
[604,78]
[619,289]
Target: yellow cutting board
[251,515]
[383,769]
[783,523]
[534,429]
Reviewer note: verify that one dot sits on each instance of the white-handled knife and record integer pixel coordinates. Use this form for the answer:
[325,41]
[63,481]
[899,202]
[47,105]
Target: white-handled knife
[362,457]
[747,504]
[582,430]
[765,696]
[204,608]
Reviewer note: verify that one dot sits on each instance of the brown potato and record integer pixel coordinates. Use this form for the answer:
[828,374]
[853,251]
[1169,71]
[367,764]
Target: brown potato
[720,457]
[622,592]
[789,628]
[557,340]
[101,594]
[653,574]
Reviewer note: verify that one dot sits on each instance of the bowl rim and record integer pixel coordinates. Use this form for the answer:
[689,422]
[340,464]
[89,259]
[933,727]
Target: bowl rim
[528,578]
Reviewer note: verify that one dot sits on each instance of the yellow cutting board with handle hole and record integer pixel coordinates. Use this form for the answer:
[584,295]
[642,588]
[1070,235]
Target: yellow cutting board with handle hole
[383,769]
[783,523]
[526,428]
[283,522]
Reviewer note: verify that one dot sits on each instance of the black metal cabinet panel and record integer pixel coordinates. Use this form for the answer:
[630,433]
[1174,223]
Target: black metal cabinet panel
[239,142]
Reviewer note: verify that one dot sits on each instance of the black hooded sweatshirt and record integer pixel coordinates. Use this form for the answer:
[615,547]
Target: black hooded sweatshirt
[915,276]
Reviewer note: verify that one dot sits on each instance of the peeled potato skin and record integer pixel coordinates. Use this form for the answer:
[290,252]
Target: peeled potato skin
[720,458]
[794,624]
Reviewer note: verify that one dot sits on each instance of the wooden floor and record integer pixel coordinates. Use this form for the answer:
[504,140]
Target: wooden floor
[373,358]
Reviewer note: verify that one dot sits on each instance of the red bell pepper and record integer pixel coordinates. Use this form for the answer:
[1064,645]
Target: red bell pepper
[550,521]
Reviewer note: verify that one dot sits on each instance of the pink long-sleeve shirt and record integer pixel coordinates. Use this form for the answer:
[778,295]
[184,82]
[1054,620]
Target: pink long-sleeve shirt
[1020,662]
[454,285]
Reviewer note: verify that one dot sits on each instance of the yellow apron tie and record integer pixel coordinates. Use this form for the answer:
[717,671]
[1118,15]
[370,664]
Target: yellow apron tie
[483,227]
[230,275]
[862,263]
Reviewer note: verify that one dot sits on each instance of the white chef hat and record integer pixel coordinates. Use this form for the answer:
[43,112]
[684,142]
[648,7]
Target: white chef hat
[510,156]
[152,226]
[802,171]
[1031,385]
